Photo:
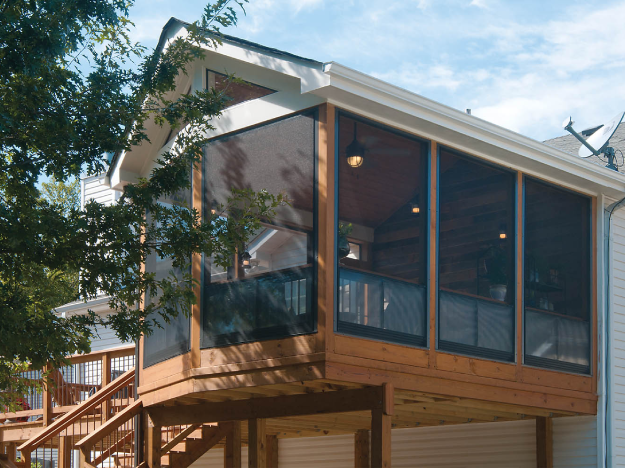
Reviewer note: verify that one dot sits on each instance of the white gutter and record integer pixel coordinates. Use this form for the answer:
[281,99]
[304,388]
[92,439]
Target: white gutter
[386,94]
[98,305]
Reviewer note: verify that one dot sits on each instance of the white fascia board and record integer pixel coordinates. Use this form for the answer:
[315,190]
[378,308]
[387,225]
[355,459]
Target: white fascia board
[346,82]
[247,114]
[310,76]
[98,305]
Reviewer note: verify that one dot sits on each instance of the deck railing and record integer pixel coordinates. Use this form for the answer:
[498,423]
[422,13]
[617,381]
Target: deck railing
[74,400]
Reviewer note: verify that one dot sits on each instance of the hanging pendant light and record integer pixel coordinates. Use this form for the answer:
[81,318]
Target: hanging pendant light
[246,260]
[414,205]
[355,152]
[502,231]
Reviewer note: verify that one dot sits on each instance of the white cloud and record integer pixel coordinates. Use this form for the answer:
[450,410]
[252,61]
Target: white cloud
[479,3]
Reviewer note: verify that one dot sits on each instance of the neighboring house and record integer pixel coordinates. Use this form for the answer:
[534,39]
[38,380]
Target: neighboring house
[459,319]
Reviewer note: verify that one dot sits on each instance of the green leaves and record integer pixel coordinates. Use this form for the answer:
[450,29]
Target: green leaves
[73,86]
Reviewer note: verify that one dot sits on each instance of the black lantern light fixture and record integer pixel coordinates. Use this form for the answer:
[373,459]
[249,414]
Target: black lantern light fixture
[414,205]
[502,231]
[355,152]
[246,260]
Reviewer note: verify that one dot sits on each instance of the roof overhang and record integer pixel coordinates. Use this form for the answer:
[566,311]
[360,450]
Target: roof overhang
[374,98]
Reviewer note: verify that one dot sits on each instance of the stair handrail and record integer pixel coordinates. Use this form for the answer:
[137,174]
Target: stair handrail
[79,411]
[86,443]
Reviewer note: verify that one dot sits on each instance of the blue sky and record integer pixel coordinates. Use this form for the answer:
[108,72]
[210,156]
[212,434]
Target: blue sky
[524,65]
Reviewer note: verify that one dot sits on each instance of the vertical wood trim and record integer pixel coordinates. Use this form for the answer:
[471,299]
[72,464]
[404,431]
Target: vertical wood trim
[257,455]
[544,442]
[65,452]
[519,276]
[25,457]
[361,449]
[152,443]
[380,439]
[47,397]
[322,213]
[11,451]
[106,379]
[330,228]
[232,451]
[594,295]
[196,266]
[272,451]
[433,251]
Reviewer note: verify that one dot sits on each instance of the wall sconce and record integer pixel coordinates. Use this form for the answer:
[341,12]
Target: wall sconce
[502,231]
[355,152]
[414,205]
[214,206]
[246,260]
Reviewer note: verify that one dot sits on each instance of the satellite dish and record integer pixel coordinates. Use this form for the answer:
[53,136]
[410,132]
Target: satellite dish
[600,138]
[597,143]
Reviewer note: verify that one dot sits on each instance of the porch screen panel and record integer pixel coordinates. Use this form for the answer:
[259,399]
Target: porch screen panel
[271,296]
[476,258]
[382,234]
[557,278]
[173,337]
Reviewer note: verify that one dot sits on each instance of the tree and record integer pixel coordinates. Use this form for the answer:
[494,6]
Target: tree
[70,91]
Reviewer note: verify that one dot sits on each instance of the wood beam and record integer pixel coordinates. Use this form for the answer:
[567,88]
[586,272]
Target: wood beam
[152,443]
[432,276]
[65,452]
[47,397]
[106,379]
[272,451]
[257,440]
[519,276]
[381,423]
[196,268]
[361,449]
[271,407]
[232,450]
[544,442]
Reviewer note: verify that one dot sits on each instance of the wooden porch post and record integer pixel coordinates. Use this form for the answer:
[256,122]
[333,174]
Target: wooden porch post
[152,443]
[11,451]
[25,456]
[47,398]
[544,442]
[361,449]
[381,429]
[257,453]
[106,379]
[65,452]
[272,451]
[232,451]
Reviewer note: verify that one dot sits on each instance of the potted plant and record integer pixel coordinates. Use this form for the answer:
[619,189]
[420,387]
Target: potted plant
[497,273]
[343,244]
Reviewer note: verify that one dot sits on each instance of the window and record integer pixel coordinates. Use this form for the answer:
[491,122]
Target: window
[382,238]
[476,258]
[236,92]
[557,278]
[173,338]
[268,291]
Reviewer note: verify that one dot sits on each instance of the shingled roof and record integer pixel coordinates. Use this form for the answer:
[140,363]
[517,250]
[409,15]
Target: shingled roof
[569,144]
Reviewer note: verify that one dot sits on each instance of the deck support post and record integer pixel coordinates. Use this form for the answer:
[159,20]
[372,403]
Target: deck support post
[544,442]
[25,457]
[152,443]
[232,450]
[11,451]
[65,452]
[361,449]
[47,397]
[272,451]
[381,429]
[257,449]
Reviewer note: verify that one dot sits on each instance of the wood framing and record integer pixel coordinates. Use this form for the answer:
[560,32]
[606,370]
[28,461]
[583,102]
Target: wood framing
[361,449]
[519,276]
[232,449]
[544,443]
[381,423]
[257,443]
[272,451]
[433,252]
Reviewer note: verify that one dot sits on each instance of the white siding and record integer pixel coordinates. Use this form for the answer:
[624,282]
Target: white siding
[492,445]
[575,442]
[617,337]
[106,340]
[93,188]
